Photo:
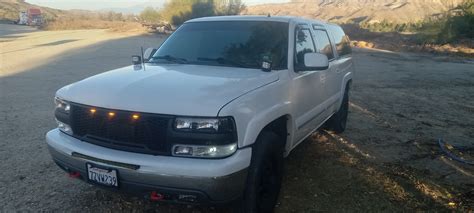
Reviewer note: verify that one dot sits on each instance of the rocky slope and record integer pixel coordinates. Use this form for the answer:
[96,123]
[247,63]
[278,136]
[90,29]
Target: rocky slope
[396,11]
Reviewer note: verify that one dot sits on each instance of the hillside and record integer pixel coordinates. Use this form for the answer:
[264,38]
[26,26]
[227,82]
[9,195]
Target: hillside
[9,10]
[55,19]
[343,11]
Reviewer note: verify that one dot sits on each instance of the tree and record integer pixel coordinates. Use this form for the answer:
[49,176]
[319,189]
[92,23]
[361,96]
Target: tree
[198,9]
[150,15]
[178,11]
[229,7]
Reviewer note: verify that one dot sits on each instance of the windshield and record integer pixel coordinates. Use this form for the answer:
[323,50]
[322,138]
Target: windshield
[227,43]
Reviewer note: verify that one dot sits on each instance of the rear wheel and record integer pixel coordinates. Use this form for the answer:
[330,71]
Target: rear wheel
[338,121]
[265,175]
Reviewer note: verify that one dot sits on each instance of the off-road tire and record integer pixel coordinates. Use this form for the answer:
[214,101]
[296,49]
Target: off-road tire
[338,121]
[264,175]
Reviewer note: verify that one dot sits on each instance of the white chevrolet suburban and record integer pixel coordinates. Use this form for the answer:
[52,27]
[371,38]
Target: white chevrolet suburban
[208,116]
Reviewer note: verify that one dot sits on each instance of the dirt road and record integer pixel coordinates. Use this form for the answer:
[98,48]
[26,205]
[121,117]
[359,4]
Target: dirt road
[387,160]
[24,48]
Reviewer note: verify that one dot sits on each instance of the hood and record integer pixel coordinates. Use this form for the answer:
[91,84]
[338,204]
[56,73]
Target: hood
[174,89]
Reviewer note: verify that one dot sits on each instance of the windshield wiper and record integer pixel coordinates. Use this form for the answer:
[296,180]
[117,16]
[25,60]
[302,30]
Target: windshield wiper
[172,59]
[221,60]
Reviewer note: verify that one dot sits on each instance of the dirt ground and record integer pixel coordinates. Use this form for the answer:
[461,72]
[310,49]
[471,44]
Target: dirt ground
[387,160]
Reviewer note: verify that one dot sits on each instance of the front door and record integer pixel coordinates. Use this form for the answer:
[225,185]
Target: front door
[308,86]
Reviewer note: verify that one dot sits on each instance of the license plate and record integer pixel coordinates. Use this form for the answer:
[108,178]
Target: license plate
[102,176]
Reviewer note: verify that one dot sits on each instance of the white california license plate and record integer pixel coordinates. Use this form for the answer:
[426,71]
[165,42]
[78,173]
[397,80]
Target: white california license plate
[102,176]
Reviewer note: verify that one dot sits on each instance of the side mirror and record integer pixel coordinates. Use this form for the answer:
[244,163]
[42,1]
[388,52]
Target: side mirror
[316,61]
[136,60]
[149,52]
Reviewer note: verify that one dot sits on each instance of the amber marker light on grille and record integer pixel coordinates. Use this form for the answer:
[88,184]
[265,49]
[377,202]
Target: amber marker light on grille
[92,110]
[111,114]
[135,116]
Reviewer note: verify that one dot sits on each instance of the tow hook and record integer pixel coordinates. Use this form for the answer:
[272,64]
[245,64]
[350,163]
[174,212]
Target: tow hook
[156,196]
[74,174]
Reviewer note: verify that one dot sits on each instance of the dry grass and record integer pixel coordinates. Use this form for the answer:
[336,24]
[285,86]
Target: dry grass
[75,24]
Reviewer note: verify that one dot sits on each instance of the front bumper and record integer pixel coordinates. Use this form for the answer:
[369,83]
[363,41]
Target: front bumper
[186,180]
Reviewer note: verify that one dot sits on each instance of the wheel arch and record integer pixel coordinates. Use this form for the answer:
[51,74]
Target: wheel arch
[282,127]
[347,80]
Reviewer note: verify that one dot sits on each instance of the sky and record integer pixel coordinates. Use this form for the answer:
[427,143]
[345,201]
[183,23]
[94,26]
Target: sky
[107,4]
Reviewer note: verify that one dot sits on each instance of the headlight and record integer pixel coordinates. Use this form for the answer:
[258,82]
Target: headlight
[200,137]
[61,112]
[210,151]
[207,125]
[62,105]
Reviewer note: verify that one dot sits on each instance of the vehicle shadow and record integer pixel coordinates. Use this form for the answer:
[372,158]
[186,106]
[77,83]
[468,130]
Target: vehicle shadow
[328,173]
[58,42]
[11,30]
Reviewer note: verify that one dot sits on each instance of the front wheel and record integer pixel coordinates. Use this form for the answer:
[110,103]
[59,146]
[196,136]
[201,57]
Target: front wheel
[265,175]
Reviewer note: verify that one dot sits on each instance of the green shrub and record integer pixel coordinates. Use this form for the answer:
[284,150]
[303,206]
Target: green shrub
[456,24]
[460,25]
[386,26]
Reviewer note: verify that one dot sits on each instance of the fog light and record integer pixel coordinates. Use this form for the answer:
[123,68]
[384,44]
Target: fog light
[183,150]
[64,127]
[198,151]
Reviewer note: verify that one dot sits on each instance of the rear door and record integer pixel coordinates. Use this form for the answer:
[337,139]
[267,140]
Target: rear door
[342,63]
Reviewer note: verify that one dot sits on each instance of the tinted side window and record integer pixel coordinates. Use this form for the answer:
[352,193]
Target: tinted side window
[343,46]
[303,44]
[323,45]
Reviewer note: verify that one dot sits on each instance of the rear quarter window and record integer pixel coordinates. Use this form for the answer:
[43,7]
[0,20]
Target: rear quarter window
[341,40]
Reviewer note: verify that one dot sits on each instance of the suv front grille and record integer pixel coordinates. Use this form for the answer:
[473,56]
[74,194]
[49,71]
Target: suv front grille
[145,134]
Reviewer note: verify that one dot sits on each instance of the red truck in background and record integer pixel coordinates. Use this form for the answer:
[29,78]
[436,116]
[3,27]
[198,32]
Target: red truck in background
[31,17]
